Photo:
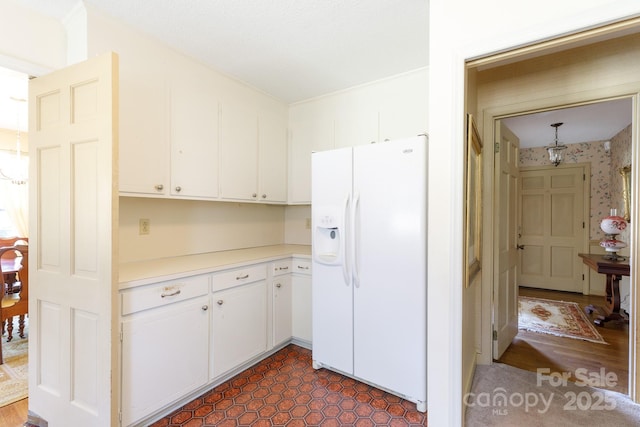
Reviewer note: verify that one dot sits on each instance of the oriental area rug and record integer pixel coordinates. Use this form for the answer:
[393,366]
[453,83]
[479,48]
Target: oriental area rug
[563,319]
[14,378]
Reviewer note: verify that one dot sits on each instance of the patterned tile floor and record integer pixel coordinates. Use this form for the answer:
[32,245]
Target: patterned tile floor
[284,390]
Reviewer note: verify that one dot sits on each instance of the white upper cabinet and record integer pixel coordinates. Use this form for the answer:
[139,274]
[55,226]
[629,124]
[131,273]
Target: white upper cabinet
[238,151]
[356,119]
[272,157]
[143,135]
[309,133]
[194,140]
[404,107]
[253,153]
[385,110]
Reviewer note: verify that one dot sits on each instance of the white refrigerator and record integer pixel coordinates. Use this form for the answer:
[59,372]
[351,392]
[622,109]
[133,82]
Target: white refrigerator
[369,285]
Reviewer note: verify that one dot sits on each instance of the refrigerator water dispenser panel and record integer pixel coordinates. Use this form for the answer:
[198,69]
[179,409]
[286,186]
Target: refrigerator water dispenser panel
[327,240]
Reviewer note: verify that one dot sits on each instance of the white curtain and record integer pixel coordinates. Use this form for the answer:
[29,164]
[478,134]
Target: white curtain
[15,199]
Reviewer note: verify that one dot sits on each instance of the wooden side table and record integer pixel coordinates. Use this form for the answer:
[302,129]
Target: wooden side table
[614,271]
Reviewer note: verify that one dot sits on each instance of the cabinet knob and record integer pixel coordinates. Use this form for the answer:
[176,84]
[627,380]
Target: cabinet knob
[220,302]
[178,189]
[278,285]
[264,196]
[205,307]
[254,195]
[159,187]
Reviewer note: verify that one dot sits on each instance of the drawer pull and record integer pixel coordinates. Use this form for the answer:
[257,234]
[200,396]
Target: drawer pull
[176,292]
[283,268]
[278,285]
[242,277]
[303,267]
[220,302]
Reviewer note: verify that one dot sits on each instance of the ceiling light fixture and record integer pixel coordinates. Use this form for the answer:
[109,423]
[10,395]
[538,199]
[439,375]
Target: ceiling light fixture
[16,171]
[556,152]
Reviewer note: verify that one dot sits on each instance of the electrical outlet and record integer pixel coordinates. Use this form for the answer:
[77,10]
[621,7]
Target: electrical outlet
[145,226]
[307,223]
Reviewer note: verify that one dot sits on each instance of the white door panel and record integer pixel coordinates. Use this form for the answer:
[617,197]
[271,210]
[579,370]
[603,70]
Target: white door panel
[505,289]
[553,227]
[74,203]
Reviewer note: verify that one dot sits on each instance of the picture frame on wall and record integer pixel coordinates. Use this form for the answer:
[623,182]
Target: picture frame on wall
[473,202]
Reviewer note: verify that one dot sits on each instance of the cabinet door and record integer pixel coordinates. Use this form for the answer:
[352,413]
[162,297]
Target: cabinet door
[239,325]
[238,152]
[308,134]
[301,307]
[357,126]
[281,309]
[144,146]
[194,140]
[164,356]
[272,157]
[404,112]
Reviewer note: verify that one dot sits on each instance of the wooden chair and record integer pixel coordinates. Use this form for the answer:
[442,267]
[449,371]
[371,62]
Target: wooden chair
[11,278]
[17,302]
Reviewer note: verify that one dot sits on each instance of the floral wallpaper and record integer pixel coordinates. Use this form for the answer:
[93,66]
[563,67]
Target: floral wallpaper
[606,182]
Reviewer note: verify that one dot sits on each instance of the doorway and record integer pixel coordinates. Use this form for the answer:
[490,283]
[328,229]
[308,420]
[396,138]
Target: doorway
[550,237]
[14,223]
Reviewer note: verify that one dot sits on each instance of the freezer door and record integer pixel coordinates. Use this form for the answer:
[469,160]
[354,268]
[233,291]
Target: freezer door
[332,293]
[390,316]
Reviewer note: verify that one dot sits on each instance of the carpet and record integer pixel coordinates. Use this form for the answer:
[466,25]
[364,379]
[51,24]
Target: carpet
[14,379]
[502,395]
[563,319]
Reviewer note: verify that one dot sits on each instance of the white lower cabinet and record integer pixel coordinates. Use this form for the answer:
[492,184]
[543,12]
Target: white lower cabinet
[165,346]
[180,336]
[239,323]
[281,293]
[301,300]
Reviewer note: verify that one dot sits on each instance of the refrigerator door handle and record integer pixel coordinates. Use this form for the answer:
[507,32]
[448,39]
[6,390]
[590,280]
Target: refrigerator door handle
[345,244]
[353,238]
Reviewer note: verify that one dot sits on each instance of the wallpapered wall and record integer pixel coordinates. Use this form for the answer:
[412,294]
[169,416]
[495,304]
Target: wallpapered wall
[606,181]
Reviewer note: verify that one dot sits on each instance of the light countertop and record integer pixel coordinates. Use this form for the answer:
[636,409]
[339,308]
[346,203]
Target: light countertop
[150,271]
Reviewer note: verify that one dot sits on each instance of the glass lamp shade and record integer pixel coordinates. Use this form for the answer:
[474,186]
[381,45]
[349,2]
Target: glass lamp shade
[556,153]
[613,224]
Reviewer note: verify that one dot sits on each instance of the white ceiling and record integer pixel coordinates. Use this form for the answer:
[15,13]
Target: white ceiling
[587,123]
[299,49]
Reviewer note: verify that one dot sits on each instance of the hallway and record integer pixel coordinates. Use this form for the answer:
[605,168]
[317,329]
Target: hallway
[532,350]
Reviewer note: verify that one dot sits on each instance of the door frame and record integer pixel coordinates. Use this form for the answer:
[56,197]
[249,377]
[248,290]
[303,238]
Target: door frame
[490,115]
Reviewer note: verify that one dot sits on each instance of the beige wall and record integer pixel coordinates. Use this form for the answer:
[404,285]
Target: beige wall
[182,227]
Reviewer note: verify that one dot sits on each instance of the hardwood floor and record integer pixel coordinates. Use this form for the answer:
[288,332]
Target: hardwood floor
[532,350]
[15,414]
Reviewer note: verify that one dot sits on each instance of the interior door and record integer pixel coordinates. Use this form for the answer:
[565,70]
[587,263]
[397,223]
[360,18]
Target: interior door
[73,228]
[505,285]
[552,227]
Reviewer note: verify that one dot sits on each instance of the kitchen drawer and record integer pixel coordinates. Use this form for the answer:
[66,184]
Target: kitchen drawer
[239,276]
[301,266]
[281,267]
[163,293]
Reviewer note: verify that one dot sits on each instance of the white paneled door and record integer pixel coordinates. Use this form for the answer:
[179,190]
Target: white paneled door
[73,200]
[505,288]
[553,227]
